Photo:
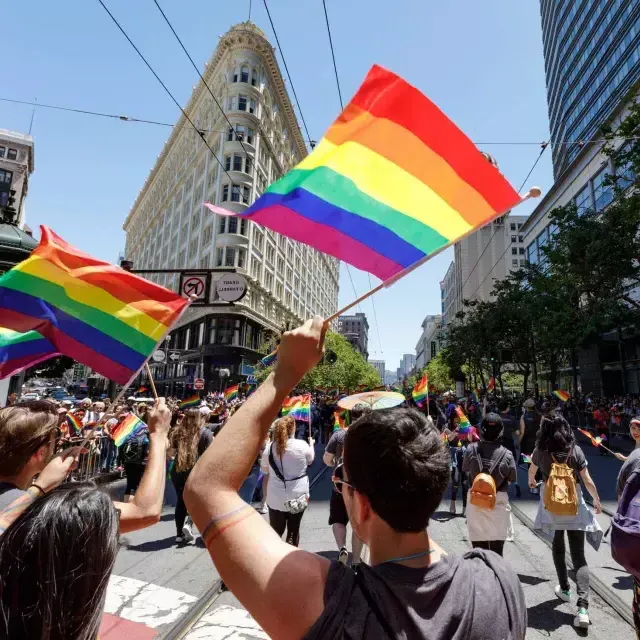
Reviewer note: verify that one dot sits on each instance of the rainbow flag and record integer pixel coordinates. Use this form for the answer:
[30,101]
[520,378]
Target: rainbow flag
[142,389]
[420,392]
[392,182]
[75,424]
[475,395]
[191,401]
[464,426]
[18,351]
[563,396]
[230,393]
[267,361]
[339,421]
[596,441]
[129,427]
[298,407]
[492,385]
[98,314]
[526,458]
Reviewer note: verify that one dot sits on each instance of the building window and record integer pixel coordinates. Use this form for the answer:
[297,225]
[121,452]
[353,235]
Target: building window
[204,262]
[230,135]
[514,263]
[242,103]
[225,193]
[243,226]
[254,78]
[532,253]
[230,257]
[233,225]
[244,74]
[2,152]
[237,163]
[12,154]
[248,165]
[5,177]
[271,253]
[246,194]
[242,258]
[251,133]
[222,224]
[602,193]
[219,256]
[227,163]
[521,251]
[512,226]
[583,199]
[268,280]
[206,235]
[235,193]
[514,251]
[225,331]
[514,239]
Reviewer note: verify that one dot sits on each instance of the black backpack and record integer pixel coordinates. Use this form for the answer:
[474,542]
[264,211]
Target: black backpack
[136,449]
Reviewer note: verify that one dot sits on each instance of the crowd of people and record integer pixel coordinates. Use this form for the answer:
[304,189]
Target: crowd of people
[390,471]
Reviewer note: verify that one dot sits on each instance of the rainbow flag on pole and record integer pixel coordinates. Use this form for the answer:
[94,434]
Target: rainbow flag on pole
[74,424]
[191,401]
[231,392]
[298,407]
[563,396]
[339,421]
[464,426]
[18,351]
[98,314]
[267,361]
[420,392]
[129,427]
[392,182]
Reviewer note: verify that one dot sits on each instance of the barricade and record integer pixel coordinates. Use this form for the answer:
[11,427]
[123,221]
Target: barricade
[90,463]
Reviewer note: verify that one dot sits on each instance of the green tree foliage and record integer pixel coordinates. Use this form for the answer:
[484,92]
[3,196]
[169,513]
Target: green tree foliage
[349,372]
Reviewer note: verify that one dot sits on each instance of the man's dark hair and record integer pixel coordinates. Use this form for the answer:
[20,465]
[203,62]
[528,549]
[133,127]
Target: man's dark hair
[358,411]
[503,406]
[398,461]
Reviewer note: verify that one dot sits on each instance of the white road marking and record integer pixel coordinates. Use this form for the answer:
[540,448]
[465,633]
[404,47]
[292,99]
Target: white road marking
[227,623]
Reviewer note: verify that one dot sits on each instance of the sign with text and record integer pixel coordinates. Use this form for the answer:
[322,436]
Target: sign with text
[231,287]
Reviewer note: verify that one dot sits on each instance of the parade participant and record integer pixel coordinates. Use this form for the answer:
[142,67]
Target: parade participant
[285,461]
[27,441]
[395,473]
[556,446]
[338,516]
[189,440]
[511,430]
[490,527]
[601,420]
[457,447]
[634,432]
[529,425]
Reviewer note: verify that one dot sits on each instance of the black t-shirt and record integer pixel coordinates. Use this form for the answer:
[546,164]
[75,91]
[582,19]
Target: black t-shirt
[510,426]
[476,596]
[335,446]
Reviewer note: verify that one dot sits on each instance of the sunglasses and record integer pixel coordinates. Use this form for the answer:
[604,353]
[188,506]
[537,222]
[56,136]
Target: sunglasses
[338,481]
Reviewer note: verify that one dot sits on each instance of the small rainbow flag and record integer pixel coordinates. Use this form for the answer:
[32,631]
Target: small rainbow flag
[392,182]
[339,421]
[75,424]
[475,395]
[129,427]
[267,361]
[298,407]
[142,389]
[563,396]
[230,393]
[18,351]
[526,459]
[420,392]
[596,441]
[464,425]
[191,401]
[98,314]
[491,386]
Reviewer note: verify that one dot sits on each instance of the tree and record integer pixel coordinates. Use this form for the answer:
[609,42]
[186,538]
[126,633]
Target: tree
[52,368]
[439,372]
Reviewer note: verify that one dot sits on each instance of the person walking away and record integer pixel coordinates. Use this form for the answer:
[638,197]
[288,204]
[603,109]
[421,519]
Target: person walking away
[457,447]
[488,511]
[626,524]
[601,420]
[285,461]
[529,425]
[338,516]
[562,507]
[189,440]
[395,472]
[511,431]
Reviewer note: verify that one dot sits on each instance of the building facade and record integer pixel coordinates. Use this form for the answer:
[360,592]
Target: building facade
[592,63]
[168,228]
[407,364]
[16,165]
[379,367]
[592,59]
[430,341]
[355,329]
[448,295]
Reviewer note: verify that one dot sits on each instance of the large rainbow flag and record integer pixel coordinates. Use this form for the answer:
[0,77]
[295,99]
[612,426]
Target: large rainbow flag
[19,351]
[191,401]
[231,392]
[298,407]
[392,182]
[420,392]
[96,313]
[128,427]
[464,426]
[563,396]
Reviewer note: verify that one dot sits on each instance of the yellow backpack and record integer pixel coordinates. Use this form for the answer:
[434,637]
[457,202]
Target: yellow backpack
[560,493]
[483,489]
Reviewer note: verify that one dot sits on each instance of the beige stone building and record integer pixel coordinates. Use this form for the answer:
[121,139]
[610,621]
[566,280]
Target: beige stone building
[16,165]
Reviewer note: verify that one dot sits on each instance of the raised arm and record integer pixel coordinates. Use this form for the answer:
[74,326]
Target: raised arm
[264,573]
[146,506]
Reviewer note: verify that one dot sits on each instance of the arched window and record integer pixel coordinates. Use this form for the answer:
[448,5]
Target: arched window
[254,78]
[244,73]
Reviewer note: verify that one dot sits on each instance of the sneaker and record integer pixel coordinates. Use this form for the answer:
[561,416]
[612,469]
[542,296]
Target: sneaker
[187,533]
[582,619]
[343,556]
[452,508]
[563,595]
[179,539]
[263,509]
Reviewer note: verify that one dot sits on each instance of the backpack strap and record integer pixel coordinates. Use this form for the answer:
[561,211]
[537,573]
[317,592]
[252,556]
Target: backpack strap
[280,474]
[360,581]
[479,459]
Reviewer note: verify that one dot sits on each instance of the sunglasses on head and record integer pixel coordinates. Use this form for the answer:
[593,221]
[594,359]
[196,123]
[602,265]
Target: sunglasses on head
[338,481]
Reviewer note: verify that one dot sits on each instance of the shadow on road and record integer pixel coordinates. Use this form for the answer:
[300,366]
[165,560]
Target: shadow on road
[152,545]
[546,617]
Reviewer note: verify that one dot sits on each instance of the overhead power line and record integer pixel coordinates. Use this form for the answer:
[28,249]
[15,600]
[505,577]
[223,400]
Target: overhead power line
[193,64]
[164,86]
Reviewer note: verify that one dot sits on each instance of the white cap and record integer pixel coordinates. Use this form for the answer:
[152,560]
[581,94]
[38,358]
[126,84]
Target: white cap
[205,411]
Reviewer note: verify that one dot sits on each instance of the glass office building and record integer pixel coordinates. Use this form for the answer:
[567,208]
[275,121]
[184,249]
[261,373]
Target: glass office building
[592,59]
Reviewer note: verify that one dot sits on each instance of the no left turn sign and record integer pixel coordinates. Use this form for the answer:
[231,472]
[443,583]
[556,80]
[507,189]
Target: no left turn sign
[194,286]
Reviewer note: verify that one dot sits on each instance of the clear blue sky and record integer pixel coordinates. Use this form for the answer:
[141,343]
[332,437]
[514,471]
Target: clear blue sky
[481,62]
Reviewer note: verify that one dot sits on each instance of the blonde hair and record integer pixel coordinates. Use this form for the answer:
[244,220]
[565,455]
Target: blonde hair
[283,429]
[186,435]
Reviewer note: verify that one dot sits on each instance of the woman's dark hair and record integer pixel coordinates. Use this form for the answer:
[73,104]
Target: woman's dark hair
[55,562]
[555,434]
[398,461]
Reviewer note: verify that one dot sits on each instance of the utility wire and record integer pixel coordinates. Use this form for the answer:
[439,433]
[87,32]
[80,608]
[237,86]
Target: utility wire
[286,69]
[333,55]
[164,86]
[193,64]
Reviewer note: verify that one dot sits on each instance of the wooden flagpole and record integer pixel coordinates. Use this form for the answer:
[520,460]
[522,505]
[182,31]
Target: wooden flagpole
[534,192]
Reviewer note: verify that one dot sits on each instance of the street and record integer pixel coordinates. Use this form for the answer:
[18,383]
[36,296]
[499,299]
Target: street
[155,582]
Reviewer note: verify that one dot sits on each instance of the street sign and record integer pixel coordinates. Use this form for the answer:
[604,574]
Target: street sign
[231,287]
[174,356]
[196,285]
[198,384]
[158,356]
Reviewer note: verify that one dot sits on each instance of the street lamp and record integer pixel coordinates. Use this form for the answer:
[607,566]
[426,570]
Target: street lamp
[167,340]
[222,373]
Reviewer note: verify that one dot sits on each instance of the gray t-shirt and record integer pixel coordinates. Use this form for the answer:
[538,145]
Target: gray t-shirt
[335,446]
[504,473]
[576,460]
[472,597]
[8,493]
[631,464]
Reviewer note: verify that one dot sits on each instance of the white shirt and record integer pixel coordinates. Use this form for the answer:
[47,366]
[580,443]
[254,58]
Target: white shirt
[297,456]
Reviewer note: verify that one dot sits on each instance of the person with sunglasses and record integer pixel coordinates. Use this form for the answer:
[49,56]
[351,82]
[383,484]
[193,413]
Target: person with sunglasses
[395,472]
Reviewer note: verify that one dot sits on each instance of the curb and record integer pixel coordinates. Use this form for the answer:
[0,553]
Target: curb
[605,592]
